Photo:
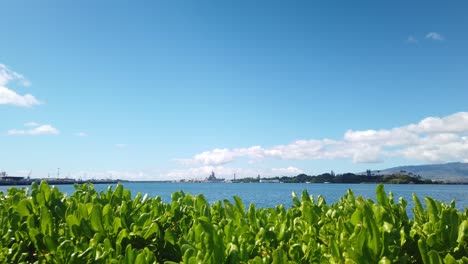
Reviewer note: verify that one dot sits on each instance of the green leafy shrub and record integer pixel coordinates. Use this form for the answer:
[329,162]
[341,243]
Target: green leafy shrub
[42,225]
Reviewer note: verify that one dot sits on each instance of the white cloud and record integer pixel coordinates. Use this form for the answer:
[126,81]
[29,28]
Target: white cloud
[216,156]
[438,148]
[40,130]
[289,171]
[9,96]
[454,123]
[434,36]
[433,139]
[367,153]
[7,75]
[223,156]
[81,134]
[31,124]
[392,137]
[411,39]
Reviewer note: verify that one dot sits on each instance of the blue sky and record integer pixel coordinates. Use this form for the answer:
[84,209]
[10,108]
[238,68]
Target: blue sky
[175,89]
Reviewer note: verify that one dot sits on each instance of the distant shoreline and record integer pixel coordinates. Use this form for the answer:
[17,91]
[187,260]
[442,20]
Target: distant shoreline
[240,182]
[103,181]
[54,182]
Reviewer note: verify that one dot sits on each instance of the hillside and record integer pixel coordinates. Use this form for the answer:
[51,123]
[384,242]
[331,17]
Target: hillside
[448,172]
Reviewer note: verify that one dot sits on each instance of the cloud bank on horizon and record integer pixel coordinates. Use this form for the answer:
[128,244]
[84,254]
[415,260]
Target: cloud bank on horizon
[432,140]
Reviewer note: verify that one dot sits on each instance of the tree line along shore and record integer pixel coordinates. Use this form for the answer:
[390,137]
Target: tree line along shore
[395,178]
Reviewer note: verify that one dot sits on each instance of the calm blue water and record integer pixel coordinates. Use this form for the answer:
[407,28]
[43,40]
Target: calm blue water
[272,194]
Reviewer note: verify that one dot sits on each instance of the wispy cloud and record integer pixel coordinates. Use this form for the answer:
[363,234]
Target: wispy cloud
[435,36]
[39,130]
[433,139]
[81,134]
[289,171]
[121,145]
[31,124]
[411,40]
[9,96]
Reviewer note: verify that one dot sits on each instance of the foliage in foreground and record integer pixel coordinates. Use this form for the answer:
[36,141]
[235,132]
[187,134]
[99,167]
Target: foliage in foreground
[43,225]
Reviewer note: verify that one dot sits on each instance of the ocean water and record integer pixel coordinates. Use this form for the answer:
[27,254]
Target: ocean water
[272,194]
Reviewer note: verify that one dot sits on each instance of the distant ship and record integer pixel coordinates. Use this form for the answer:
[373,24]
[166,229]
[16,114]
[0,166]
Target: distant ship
[5,179]
[212,178]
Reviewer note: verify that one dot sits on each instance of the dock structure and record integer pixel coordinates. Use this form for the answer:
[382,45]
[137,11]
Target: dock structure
[5,179]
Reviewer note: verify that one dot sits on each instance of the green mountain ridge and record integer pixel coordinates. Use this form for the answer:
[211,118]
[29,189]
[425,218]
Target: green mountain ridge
[448,172]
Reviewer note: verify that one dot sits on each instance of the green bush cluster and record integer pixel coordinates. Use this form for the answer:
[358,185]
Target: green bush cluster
[43,225]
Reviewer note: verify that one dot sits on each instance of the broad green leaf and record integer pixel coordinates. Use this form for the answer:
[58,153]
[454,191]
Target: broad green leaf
[118,192]
[46,221]
[382,198]
[296,200]
[419,213]
[170,237]
[434,257]
[279,256]
[130,254]
[305,196]
[140,259]
[152,229]
[423,251]
[387,227]
[239,204]
[463,233]
[189,253]
[24,207]
[449,259]
[50,243]
[385,260]
[96,218]
[432,210]
[144,219]
[45,190]
[127,195]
